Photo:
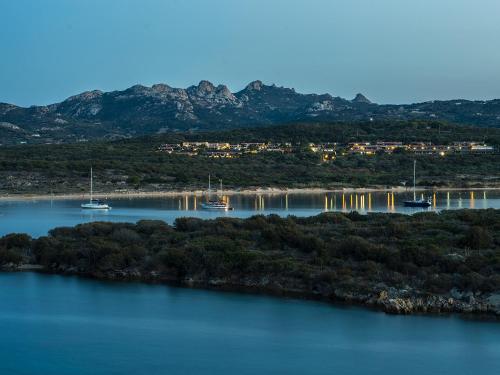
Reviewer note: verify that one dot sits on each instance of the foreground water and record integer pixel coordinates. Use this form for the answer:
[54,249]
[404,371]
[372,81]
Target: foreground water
[37,217]
[67,325]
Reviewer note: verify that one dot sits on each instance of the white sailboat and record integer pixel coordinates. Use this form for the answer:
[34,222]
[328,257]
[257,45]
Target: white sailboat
[215,204]
[94,204]
[416,202]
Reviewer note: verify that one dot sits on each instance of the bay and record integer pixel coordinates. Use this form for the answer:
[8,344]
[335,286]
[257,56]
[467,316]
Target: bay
[63,325]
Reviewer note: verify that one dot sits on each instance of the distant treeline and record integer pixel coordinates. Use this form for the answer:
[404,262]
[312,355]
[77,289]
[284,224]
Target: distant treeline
[405,131]
[329,254]
[136,164]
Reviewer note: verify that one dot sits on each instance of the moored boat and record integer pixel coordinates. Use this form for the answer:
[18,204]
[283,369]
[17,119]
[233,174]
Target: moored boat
[416,202]
[94,204]
[215,204]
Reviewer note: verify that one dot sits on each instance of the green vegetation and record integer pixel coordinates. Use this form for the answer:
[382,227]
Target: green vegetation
[135,163]
[332,255]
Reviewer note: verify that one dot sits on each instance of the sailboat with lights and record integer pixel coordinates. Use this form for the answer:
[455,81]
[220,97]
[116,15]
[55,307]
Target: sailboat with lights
[215,204]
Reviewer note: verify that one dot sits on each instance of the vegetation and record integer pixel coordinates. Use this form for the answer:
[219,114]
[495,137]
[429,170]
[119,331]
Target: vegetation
[135,163]
[329,255]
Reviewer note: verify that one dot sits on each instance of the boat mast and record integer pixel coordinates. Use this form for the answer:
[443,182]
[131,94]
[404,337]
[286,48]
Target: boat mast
[414,180]
[220,186]
[91,184]
[209,187]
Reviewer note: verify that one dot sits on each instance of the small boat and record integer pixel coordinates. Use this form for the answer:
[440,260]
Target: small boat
[94,204]
[417,202]
[215,204]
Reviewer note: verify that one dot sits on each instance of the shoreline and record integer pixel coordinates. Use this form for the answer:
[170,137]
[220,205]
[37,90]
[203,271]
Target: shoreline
[431,305]
[382,262]
[230,192]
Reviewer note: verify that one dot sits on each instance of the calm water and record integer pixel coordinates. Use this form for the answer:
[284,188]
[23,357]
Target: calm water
[65,325]
[38,217]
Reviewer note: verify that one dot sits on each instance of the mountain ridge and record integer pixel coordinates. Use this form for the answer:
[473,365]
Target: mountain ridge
[159,108]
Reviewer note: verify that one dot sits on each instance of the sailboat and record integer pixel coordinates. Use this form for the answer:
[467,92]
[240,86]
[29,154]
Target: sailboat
[215,204]
[94,204]
[416,202]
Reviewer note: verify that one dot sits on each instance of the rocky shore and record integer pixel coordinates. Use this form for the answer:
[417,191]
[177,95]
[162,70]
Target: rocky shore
[382,297]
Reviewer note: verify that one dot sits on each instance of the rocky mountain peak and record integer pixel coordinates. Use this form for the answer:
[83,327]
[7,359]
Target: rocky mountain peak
[207,93]
[86,96]
[138,90]
[161,87]
[224,92]
[255,86]
[205,87]
[360,98]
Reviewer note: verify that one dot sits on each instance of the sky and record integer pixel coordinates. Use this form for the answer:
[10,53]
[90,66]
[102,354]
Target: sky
[393,51]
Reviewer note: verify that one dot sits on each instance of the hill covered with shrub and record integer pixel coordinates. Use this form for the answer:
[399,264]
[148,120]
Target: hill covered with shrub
[427,262]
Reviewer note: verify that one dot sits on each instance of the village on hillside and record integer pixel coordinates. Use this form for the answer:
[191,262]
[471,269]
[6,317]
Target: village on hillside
[329,150]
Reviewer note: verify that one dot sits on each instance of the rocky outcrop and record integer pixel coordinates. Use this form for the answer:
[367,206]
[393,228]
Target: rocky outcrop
[397,302]
[361,99]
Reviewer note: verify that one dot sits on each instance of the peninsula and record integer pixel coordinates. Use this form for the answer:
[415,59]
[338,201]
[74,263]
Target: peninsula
[446,262]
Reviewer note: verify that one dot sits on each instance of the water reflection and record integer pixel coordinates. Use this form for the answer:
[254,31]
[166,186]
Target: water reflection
[24,216]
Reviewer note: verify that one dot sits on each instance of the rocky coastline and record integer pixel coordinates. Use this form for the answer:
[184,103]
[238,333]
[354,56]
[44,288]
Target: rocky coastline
[427,263]
[381,297]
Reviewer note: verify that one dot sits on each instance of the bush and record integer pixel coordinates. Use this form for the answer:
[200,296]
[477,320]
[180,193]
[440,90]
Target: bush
[478,238]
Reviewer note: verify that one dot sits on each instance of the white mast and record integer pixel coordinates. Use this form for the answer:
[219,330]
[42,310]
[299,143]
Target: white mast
[414,180]
[209,186]
[91,184]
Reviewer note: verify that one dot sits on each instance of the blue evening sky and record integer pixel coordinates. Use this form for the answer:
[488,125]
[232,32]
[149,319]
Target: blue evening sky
[394,51]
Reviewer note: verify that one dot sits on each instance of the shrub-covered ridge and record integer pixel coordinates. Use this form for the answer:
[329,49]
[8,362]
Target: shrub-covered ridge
[428,262]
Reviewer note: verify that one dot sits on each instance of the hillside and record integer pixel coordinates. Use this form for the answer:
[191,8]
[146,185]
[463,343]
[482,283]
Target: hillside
[136,165]
[141,110]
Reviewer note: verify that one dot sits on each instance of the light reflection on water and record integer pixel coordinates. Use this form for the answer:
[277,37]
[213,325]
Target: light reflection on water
[37,217]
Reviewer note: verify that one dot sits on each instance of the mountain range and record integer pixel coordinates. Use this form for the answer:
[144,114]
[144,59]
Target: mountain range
[141,110]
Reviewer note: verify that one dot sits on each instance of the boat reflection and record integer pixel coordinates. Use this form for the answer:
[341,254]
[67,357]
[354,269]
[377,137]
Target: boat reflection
[389,201]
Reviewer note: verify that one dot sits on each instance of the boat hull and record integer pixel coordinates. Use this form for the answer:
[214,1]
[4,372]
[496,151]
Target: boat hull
[220,207]
[417,204]
[92,206]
